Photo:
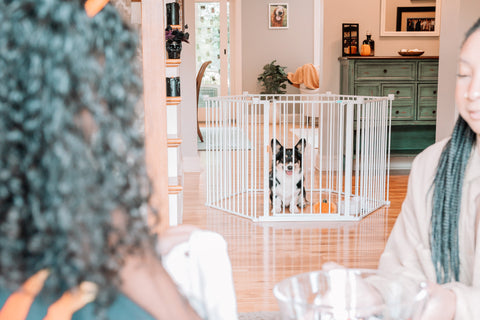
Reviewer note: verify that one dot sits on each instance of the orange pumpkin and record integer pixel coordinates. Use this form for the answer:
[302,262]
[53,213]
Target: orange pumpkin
[325,207]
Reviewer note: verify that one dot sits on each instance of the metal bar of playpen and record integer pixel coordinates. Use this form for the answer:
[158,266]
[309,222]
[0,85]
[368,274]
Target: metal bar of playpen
[375,155]
[330,155]
[266,128]
[218,151]
[361,132]
[312,153]
[208,104]
[341,109]
[357,150]
[238,152]
[219,155]
[350,108]
[385,151]
[256,159]
[376,179]
[381,163]
[284,127]
[390,102]
[369,157]
[376,162]
[320,146]
[246,121]
[275,122]
[293,125]
[208,141]
[382,154]
[228,177]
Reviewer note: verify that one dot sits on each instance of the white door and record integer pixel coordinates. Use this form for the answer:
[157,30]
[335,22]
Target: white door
[212,44]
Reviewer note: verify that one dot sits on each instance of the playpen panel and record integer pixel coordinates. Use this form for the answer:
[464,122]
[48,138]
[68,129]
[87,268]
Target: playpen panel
[345,162]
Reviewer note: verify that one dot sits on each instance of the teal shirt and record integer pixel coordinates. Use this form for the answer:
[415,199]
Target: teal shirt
[122,309]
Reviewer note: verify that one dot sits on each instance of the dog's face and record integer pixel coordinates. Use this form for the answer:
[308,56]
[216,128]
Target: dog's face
[279,12]
[288,160]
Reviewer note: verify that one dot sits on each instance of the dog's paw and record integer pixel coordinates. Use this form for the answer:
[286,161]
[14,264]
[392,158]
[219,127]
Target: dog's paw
[276,209]
[302,203]
[293,208]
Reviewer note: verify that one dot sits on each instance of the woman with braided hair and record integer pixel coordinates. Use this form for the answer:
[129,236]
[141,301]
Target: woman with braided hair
[436,237]
[73,184]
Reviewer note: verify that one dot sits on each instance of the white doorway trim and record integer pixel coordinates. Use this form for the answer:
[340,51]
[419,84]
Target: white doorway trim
[318,34]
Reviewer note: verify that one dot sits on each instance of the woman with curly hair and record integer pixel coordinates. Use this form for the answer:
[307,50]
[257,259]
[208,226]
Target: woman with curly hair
[73,184]
[437,235]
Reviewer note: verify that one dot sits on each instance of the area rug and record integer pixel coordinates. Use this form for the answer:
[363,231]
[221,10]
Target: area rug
[261,315]
[221,138]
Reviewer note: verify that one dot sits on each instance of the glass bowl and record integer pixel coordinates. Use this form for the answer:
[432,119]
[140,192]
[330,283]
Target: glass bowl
[353,294]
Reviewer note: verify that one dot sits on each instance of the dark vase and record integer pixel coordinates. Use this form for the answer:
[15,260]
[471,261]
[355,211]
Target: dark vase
[173,13]
[173,49]
[173,87]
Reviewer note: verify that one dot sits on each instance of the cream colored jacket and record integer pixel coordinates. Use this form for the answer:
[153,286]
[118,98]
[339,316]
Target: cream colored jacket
[408,248]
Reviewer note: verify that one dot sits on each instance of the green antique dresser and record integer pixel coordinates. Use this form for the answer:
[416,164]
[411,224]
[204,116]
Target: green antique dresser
[413,81]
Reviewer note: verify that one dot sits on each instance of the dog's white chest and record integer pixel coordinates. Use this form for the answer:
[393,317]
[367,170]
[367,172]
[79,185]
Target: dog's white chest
[287,188]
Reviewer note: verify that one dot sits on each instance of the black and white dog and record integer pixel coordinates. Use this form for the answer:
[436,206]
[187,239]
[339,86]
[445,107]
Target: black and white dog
[286,177]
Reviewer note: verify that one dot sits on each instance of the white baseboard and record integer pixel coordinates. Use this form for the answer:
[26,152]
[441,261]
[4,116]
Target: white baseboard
[192,164]
[401,162]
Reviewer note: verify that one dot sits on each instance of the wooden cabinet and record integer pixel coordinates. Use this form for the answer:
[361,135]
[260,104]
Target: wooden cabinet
[413,81]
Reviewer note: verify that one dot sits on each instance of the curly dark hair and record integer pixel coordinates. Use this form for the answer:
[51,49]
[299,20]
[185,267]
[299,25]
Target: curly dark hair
[71,150]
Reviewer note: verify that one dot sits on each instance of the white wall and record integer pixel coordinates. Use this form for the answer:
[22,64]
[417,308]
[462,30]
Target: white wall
[188,107]
[292,47]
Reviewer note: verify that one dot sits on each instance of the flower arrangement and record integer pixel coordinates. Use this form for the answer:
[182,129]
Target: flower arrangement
[176,35]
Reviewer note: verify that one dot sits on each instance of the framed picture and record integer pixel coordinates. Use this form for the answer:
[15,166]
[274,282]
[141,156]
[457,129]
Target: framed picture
[416,19]
[278,15]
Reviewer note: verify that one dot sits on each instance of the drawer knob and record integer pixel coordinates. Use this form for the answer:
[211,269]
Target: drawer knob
[397,112]
[434,111]
[384,70]
[398,92]
[434,91]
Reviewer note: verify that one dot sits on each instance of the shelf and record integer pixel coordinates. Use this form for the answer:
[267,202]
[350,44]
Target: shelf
[174,143]
[173,62]
[174,100]
[175,189]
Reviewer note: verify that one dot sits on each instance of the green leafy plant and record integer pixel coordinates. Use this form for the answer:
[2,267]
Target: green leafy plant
[272,78]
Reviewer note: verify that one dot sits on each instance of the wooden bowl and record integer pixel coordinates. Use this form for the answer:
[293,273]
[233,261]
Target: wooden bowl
[411,53]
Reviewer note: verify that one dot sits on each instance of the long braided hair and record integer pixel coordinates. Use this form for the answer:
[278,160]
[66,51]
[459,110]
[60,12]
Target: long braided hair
[71,148]
[447,196]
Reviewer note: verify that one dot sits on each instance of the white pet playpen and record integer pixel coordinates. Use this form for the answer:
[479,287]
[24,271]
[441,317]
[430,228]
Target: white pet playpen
[345,163]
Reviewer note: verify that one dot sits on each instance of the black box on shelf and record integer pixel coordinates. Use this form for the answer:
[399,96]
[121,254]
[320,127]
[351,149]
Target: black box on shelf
[350,43]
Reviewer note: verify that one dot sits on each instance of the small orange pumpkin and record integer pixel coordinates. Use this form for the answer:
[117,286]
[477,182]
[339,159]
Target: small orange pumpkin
[325,207]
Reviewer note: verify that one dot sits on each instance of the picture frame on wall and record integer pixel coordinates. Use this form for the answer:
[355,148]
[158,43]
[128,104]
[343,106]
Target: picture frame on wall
[278,15]
[416,19]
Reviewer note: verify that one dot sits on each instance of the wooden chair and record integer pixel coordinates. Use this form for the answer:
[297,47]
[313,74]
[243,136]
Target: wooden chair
[200,74]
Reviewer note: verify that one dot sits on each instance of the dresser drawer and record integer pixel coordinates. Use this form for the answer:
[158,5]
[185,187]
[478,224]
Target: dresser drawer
[370,89]
[427,93]
[404,93]
[428,70]
[385,71]
[403,112]
[427,112]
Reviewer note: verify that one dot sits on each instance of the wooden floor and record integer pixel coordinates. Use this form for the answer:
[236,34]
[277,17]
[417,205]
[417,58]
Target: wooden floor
[263,254]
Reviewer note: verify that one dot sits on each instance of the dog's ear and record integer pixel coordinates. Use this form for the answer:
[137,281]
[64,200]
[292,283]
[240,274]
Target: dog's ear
[276,145]
[301,144]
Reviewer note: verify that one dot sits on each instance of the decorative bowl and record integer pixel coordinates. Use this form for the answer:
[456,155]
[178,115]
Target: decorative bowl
[411,53]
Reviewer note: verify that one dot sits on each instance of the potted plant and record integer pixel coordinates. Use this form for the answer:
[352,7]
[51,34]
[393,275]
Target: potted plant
[174,39]
[273,79]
